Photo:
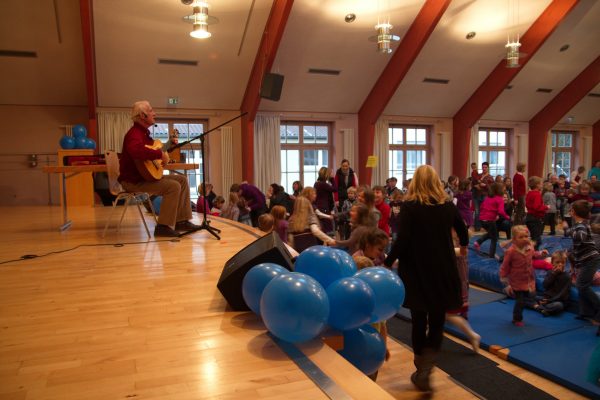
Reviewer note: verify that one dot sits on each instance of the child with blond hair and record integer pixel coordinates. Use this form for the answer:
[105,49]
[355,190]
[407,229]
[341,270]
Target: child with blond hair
[517,272]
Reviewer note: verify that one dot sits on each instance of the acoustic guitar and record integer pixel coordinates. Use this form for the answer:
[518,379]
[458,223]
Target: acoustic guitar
[152,170]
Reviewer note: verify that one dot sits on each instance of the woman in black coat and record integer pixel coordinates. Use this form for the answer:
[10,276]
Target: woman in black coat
[427,265]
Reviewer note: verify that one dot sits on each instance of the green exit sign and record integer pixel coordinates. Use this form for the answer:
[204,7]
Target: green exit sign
[172,101]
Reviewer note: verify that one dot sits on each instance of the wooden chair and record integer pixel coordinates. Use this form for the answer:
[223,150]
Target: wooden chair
[137,198]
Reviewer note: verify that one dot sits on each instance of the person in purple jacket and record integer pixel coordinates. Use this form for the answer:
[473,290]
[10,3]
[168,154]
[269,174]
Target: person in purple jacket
[491,208]
[255,199]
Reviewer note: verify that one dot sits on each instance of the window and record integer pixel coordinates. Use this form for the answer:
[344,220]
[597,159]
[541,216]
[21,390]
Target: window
[190,153]
[408,149]
[305,148]
[562,152]
[493,148]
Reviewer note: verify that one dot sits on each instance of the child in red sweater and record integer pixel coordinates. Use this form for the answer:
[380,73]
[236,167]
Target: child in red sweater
[517,272]
[536,210]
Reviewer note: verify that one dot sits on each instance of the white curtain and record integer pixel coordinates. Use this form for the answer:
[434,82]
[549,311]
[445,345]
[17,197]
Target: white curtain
[349,141]
[112,127]
[267,151]
[548,156]
[381,151]
[227,157]
[474,157]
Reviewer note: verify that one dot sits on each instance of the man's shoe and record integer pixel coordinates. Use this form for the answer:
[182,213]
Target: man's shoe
[164,231]
[186,226]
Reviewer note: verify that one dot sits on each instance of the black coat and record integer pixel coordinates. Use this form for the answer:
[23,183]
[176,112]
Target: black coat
[425,251]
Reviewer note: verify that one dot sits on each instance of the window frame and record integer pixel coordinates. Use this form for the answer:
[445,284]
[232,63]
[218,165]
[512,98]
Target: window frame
[301,147]
[489,148]
[562,149]
[404,147]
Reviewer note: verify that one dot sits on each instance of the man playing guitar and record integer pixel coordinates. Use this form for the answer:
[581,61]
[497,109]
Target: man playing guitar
[175,210]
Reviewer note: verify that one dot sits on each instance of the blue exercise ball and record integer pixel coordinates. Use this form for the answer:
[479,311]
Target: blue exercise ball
[67,142]
[388,291]
[351,303]
[256,280]
[323,264]
[90,143]
[294,307]
[364,348]
[80,143]
[79,131]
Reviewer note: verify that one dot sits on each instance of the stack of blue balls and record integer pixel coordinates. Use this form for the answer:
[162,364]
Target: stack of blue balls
[79,140]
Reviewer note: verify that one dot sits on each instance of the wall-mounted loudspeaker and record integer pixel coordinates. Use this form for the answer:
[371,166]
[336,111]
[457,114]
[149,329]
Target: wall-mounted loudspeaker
[271,86]
[268,248]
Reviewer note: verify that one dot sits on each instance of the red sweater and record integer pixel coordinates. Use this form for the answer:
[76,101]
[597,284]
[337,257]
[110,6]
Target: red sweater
[519,187]
[384,221]
[534,203]
[134,148]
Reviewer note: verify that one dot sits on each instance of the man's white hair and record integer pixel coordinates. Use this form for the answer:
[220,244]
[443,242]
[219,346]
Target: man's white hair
[139,107]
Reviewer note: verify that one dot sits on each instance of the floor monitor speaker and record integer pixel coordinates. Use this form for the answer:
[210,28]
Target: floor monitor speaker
[271,86]
[269,248]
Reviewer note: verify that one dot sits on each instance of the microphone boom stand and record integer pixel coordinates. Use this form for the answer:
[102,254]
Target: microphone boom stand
[205,225]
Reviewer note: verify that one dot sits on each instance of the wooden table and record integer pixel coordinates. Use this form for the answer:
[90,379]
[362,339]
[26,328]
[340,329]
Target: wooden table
[69,171]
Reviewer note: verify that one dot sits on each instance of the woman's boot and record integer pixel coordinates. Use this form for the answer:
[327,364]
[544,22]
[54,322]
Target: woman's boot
[424,363]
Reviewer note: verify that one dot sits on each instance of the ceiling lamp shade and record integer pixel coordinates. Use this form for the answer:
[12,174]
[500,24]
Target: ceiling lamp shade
[384,37]
[200,21]
[512,53]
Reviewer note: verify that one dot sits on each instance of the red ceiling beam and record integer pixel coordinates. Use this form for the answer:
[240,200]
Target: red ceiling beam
[263,62]
[391,77]
[497,81]
[87,33]
[544,120]
[596,142]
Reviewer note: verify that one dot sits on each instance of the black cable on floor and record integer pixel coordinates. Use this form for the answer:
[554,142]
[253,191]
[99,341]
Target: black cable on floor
[32,256]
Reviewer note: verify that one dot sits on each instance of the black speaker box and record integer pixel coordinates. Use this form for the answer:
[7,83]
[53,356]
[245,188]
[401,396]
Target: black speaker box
[271,86]
[268,248]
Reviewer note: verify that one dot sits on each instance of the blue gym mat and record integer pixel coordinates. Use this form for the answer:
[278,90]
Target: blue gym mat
[493,321]
[563,358]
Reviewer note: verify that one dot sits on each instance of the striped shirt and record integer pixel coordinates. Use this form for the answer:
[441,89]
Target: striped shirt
[584,247]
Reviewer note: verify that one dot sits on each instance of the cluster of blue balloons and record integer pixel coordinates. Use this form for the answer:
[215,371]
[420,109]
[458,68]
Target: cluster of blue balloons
[79,140]
[326,290]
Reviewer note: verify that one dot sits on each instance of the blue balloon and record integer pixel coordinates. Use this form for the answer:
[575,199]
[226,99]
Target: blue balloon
[388,290]
[324,264]
[351,303]
[67,142]
[256,280]
[90,143]
[364,348]
[156,204]
[346,259]
[294,307]
[79,131]
[80,143]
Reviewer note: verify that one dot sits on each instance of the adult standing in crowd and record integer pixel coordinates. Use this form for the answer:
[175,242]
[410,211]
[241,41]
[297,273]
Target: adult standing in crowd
[595,171]
[519,191]
[577,177]
[325,189]
[345,177]
[427,265]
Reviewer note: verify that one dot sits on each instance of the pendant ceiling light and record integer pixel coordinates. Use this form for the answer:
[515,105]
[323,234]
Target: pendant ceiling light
[513,44]
[200,21]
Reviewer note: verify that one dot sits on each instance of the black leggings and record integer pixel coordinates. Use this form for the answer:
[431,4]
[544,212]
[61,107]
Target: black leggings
[422,338]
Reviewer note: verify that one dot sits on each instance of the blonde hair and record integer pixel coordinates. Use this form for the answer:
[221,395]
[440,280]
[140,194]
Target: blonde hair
[516,229]
[323,173]
[278,212]
[426,187]
[363,262]
[548,187]
[302,211]
[559,255]
[308,192]
[533,182]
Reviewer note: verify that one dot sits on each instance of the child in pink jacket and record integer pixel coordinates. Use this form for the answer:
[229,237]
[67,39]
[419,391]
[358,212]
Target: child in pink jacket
[517,272]
[492,206]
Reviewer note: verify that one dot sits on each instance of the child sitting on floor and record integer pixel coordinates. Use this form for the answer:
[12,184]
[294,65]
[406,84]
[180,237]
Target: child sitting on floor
[557,286]
[372,244]
[517,272]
